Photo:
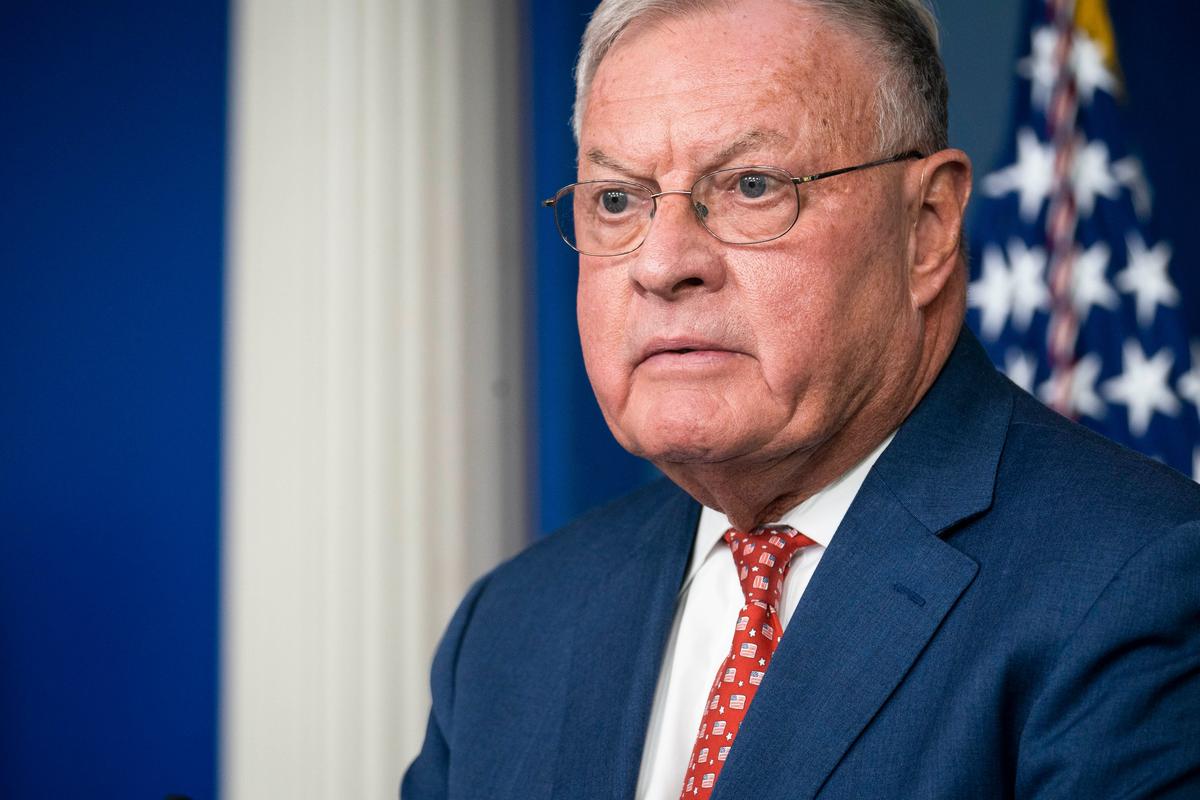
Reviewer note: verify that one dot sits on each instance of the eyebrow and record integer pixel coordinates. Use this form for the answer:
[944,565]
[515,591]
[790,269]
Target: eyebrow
[602,159]
[748,141]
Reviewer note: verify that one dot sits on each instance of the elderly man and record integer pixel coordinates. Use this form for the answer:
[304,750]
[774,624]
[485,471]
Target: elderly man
[980,599]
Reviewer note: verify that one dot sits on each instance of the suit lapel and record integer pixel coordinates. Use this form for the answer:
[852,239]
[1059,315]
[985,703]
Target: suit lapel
[617,646]
[882,589]
[880,593]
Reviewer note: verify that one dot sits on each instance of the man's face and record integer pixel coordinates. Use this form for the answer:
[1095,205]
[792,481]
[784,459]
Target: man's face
[701,351]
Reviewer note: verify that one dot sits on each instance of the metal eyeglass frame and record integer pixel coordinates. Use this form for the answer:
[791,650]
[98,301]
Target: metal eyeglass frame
[796,182]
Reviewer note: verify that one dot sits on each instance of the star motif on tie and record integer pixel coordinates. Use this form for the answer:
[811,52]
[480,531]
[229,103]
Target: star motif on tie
[1091,69]
[1142,386]
[1092,177]
[1146,278]
[1032,176]
[729,737]
[1039,66]
[751,633]
[1080,388]
[762,662]
[1020,367]
[1189,382]
[1089,287]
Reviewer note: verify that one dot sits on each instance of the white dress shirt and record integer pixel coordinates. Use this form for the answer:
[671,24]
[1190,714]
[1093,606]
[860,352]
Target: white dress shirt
[705,614]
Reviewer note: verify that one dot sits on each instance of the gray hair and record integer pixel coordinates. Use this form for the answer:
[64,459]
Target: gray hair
[911,95]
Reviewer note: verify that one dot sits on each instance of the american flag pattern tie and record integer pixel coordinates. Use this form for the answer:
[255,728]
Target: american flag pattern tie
[762,557]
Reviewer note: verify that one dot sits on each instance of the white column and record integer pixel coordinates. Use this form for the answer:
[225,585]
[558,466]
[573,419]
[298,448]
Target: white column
[374,457]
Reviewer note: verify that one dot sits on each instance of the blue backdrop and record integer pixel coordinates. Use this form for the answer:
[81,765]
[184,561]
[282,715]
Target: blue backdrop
[112,159]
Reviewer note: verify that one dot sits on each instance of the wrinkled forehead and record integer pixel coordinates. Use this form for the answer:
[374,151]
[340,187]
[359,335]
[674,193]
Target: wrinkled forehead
[706,76]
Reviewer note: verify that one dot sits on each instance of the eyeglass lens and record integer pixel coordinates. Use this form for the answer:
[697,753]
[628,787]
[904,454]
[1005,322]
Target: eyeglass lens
[738,206]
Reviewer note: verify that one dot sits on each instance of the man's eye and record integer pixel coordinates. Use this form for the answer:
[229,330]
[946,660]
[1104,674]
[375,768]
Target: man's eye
[753,186]
[614,202]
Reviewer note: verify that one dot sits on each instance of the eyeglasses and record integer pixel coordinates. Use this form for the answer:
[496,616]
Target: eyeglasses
[739,205]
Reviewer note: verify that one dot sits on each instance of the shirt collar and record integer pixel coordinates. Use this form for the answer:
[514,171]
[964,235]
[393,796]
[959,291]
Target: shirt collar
[818,517]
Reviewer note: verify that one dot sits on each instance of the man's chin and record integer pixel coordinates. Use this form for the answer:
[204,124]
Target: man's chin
[684,453]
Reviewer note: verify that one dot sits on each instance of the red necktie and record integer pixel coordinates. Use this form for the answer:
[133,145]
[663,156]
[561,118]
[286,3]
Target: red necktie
[762,557]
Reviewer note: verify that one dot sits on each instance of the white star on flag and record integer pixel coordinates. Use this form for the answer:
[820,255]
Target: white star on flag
[1032,175]
[1081,397]
[1130,174]
[1145,277]
[1092,176]
[1020,367]
[1088,284]
[1142,386]
[1091,73]
[1001,292]
[1189,382]
[992,293]
[1029,290]
[1039,66]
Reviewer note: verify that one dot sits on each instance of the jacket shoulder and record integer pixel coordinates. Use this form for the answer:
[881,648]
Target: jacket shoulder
[594,542]
[1067,471]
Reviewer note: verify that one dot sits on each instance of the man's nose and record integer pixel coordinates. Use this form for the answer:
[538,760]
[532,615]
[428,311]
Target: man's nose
[679,256]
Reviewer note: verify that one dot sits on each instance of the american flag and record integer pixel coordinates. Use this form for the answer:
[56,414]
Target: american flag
[748,650]
[737,701]
[1071,288]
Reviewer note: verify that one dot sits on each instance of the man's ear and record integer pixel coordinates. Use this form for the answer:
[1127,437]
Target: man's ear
[938,228]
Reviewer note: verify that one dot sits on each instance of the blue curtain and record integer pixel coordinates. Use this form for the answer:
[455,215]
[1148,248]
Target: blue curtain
[112,159]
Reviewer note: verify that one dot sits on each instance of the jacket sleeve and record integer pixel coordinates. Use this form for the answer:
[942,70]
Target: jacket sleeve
[427,777]
[1119,716]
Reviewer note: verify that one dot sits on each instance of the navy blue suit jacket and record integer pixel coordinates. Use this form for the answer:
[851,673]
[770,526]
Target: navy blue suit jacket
[1010,609]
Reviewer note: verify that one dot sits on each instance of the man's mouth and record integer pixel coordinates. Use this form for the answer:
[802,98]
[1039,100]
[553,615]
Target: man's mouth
[684,353]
